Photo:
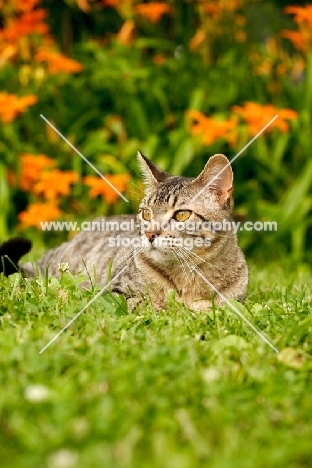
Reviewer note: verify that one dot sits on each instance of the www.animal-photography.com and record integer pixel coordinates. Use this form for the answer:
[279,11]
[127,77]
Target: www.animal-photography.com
[155,233]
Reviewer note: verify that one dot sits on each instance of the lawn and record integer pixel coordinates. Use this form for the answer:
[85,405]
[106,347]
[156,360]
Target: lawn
[165,390]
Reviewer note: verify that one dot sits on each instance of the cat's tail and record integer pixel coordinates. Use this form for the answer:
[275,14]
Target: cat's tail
[10,254]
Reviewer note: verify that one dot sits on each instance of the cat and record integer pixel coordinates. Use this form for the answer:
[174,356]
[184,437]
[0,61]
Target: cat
[167,253]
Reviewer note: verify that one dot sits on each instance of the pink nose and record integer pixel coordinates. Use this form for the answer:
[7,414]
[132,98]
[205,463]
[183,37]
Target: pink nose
[151,235]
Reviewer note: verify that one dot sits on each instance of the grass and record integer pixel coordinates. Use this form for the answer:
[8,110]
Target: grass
[156,390]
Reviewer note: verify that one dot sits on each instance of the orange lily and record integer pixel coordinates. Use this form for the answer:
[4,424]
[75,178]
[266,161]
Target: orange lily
[197,40]
[37,212]
[11,105]
[300,39]
[302,14]
[152,11]
[57,62]
[25,5]
[53,183]
[258,115]
[98,186]
[215,8]
[29,23]
[32,167]
[126,33]
[210,128]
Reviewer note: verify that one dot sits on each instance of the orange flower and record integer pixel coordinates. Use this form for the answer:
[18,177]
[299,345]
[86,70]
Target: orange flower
[29,23]
[100,187]
[37,212]
[25,5]
[302,14]
[212,9]
[197,40]
[240,20]
[83,5]
[126,33]
[159,59]
[32,167]
[11,105]
[258,115]
[300,39]
[7,51]
[240,36]
[57,62]
[263,68]
[53,183]
[215,8]
[110,3]
[152,11]
[210,128]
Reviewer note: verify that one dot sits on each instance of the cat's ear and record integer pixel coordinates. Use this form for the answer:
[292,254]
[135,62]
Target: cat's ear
[151,173]
[217,177]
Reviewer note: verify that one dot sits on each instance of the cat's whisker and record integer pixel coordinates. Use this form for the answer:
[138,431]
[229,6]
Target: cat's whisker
[134,191]
[188,260]
[185,260]
[140,189]
[138,173]
[121,259]
[180,261]
[191,263]
[182,265]
[198,257]
[137,196]
[124,258]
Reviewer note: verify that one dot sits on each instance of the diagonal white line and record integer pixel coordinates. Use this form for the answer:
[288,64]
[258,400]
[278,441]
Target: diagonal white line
[84,158]
[235,157]
[236,310]
[83,309]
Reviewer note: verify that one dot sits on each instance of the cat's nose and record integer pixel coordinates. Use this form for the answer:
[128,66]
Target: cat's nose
[151,235]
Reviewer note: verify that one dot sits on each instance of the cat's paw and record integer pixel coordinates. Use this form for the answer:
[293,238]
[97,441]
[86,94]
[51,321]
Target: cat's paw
[201,305]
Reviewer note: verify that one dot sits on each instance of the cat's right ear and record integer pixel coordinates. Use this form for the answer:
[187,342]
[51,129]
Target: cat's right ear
[152,174]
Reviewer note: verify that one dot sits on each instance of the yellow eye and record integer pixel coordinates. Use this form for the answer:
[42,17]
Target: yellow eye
[182,215]
[146,215]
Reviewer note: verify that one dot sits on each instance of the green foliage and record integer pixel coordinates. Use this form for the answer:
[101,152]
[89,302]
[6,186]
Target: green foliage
[124,101]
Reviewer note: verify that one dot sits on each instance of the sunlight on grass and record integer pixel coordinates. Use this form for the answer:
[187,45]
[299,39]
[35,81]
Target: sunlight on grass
[168,389]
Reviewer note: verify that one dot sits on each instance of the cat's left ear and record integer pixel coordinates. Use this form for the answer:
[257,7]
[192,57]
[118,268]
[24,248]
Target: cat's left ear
[217,176]
[151,173]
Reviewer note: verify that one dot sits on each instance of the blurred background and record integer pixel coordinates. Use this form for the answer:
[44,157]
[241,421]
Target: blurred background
[177,80]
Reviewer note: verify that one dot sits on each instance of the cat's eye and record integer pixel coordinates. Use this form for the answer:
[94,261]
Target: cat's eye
[182,215]
[146,215]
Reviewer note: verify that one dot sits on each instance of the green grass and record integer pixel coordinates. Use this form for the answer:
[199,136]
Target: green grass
[163,390]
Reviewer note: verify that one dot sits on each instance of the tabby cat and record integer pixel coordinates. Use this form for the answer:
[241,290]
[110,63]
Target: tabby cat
[160,252]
